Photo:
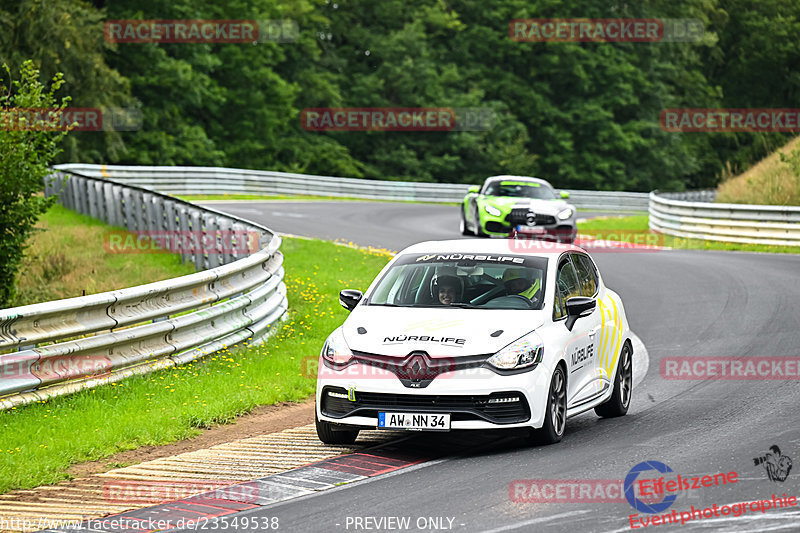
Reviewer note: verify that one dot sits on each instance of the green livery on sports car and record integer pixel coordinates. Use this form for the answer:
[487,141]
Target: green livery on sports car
[518,205]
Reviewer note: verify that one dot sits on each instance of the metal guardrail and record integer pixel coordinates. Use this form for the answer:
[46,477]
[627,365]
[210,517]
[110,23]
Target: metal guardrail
[214,180]
[672,214]
[66,345]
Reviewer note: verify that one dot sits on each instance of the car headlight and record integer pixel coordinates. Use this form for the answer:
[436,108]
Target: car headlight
[335,349]
[524,352]
[492,210]
[565,214]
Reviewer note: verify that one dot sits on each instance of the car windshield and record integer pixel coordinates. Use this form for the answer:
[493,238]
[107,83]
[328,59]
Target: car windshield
[463,281]
[520,189]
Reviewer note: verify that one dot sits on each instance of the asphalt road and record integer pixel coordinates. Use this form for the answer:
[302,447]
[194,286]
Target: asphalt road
[390,225]
[681,303]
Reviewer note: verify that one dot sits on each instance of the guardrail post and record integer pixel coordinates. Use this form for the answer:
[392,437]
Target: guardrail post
[211,239]
[225,240]
[102,209]
[82,193]
[110,207]
[185,230]
[118,207]
[148,215]
[92,198]
[239,242]
[198,255]
[128,209]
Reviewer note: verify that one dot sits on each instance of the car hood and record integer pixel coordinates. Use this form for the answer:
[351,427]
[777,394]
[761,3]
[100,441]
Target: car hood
[547,207]
[440,332]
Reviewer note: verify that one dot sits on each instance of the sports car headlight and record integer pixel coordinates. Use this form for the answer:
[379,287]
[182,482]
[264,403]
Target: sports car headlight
[565,214]
[492,210]
[335,349]
[522,353]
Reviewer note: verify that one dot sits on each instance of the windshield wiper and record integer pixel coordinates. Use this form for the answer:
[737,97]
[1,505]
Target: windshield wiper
[464,306]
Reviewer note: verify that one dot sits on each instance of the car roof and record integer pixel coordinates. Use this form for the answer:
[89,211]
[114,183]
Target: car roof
[517,178]
[489,246]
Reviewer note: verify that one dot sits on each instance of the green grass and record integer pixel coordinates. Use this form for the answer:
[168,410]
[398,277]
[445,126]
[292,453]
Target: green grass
[769,182]
[67,258]
[636,229]
[40,441]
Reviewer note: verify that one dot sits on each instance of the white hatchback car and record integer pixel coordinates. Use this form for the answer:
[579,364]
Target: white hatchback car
[476,335]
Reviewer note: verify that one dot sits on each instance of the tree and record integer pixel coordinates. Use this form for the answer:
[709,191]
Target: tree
[27,147]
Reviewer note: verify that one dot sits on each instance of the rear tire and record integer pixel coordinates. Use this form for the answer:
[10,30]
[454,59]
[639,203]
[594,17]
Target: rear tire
[620,399]
[326,433]
[555,418]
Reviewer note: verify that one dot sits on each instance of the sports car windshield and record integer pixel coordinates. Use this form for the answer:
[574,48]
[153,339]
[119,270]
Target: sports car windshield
[463,281]
[520,189]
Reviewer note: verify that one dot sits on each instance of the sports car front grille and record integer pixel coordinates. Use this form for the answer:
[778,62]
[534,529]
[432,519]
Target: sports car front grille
[461,407]
[519,215]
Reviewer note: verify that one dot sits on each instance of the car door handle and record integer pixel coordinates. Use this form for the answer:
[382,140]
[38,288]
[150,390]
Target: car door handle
[593,332]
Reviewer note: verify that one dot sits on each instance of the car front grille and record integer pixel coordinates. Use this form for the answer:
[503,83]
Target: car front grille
[461,407]
[519,215]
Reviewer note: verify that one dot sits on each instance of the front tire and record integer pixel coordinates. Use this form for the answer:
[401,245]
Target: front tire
[326,433]
[620,399]
[464,230]
[555,418]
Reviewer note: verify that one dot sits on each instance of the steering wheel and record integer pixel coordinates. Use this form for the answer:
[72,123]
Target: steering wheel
[485,297]
[528,302]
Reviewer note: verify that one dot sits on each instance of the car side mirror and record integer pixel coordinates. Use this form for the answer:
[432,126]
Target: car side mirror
[564,195]
[577,307]
[474,189]
[349,298]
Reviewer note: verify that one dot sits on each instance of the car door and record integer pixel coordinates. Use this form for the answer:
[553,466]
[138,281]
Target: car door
[588,279]
[578,346]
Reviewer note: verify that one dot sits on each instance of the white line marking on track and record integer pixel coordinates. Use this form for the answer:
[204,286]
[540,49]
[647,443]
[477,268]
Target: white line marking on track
[538,520]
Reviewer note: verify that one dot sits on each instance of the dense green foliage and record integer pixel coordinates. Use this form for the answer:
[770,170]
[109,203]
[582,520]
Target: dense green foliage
[584,115]
[26,150]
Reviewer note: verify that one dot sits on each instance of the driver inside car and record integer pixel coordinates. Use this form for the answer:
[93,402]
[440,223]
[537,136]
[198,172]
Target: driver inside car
[516,282]
[447,289]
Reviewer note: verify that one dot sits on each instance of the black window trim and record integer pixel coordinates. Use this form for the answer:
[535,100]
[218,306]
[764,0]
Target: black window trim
[596,272]
[574,271]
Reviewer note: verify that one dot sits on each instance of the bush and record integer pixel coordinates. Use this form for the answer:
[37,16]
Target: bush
[27,146]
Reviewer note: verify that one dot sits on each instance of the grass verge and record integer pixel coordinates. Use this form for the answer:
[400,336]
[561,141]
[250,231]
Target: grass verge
[67,258]
[39,442]
[636,229]
[769,182]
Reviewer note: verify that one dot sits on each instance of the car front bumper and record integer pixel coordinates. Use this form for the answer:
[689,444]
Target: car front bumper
[464,394]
